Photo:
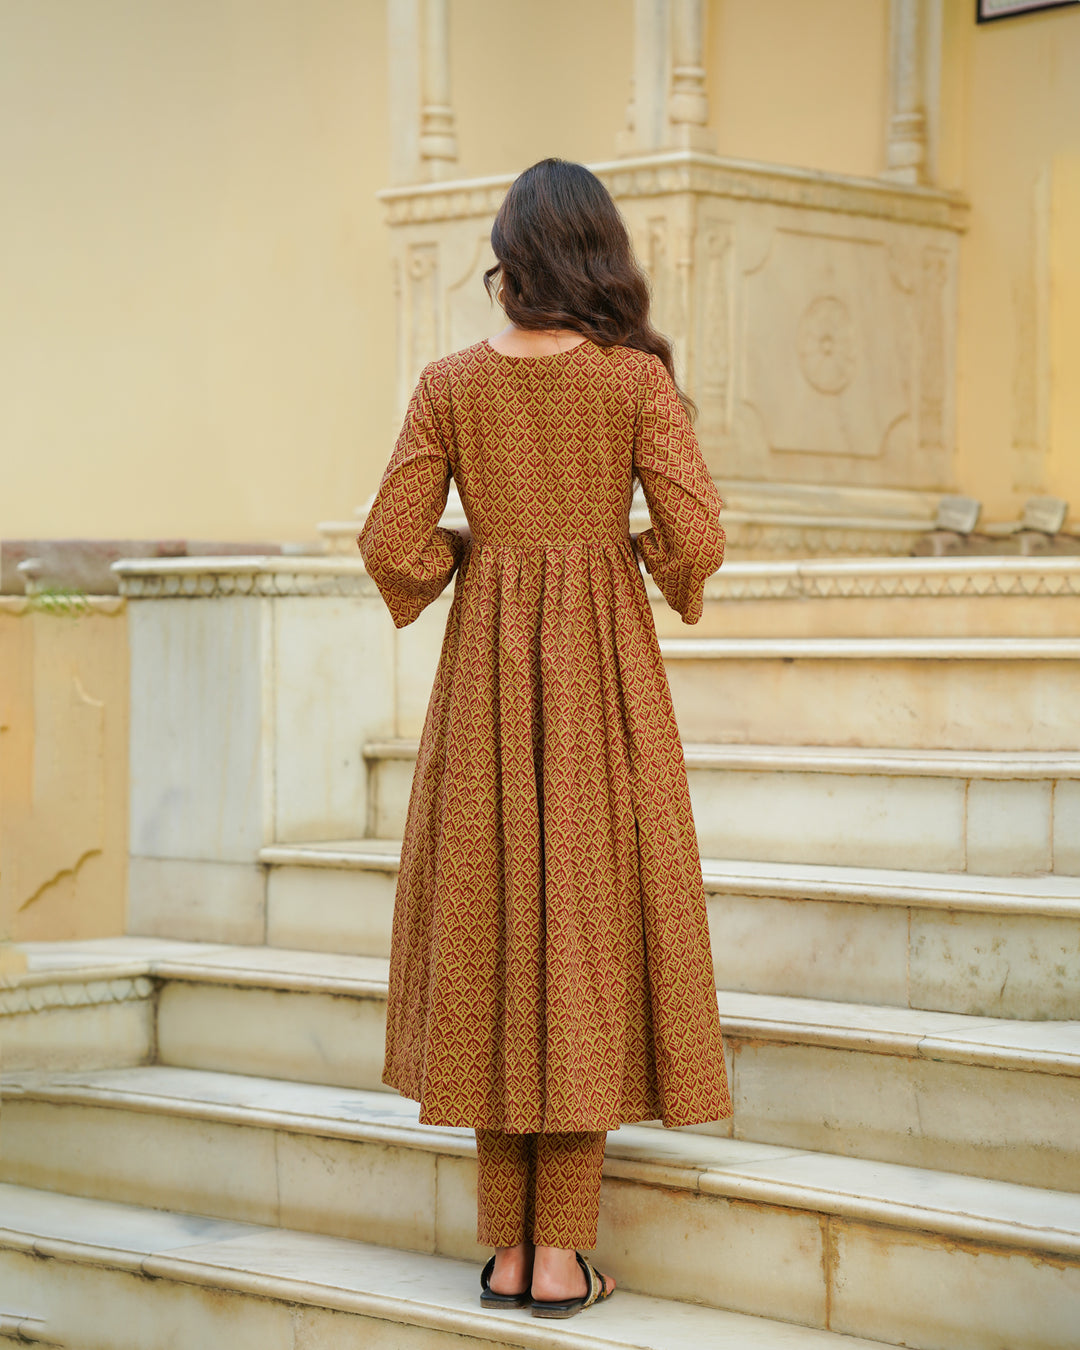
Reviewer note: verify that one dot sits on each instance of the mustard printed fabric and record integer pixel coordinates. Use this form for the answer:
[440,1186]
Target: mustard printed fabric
[550,966]
[542,1188]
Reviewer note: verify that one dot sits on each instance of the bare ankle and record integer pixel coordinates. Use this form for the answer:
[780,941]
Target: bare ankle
[557,1274]
[512,1269]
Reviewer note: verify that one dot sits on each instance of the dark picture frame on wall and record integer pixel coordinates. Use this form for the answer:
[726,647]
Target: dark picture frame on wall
[988,11]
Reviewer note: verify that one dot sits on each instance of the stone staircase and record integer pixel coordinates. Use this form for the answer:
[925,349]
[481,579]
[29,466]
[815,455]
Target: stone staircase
[197,1148]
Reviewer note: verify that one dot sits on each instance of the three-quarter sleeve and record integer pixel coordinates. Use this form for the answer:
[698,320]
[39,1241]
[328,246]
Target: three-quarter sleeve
[685,545]
[406,552]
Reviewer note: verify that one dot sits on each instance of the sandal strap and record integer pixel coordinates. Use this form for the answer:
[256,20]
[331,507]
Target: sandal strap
[485,1275]
[596,1282]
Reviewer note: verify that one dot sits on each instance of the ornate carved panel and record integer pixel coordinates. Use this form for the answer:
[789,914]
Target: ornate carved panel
[824,375]
[423,305]
[713,334]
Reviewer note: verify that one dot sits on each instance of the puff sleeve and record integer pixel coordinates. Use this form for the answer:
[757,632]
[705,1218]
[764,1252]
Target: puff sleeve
[685,545]
[406,552]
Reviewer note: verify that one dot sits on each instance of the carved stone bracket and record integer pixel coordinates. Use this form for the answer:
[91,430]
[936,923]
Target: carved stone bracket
[22,995]
[900,580]
[207,579]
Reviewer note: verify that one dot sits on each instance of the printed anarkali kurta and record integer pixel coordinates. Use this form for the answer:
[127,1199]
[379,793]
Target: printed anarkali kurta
[550,965]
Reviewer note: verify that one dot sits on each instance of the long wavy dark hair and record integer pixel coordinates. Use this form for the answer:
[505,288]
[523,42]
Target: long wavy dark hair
[565,261]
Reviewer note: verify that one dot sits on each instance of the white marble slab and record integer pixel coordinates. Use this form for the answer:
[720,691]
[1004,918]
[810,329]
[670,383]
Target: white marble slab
[331,909]
[317,968]
[1057,895]
[197,899]
[885,696]
[967,1299]
[332,691]
[199,731]
[257,1027]
[106,1224]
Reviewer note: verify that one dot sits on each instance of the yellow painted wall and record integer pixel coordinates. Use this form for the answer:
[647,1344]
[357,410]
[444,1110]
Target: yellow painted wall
[195,291]
[800,81]
[63,771]
[1064,345]
[196,339]
[1012,143]
[537,79]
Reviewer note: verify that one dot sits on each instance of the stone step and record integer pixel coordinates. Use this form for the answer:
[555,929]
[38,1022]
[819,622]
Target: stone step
[898,622]
[808,1238]
[214,1284]
[884,597]
[846,807]
[960,943]
[905,692]
[979,1096]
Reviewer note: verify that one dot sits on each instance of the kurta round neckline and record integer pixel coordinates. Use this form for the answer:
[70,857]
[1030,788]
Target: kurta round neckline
[552,356]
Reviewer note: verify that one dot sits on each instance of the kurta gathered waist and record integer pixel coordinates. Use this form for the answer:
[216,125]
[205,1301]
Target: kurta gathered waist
[543,545]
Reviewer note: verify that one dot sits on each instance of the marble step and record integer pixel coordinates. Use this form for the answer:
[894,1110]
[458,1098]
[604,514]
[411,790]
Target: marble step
[879,597]
[987,946]
[809,1238]
[982,1096]
[109,1276]
[990,812]
[886,691]
[890,692]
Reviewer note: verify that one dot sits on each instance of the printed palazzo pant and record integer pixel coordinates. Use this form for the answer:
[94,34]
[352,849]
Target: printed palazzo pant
[541,1188]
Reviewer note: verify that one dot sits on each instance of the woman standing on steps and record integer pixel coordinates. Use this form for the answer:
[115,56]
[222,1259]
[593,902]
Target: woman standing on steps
[550,970]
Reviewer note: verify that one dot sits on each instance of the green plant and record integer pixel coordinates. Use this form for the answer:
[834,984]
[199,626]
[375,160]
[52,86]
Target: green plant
[64,600]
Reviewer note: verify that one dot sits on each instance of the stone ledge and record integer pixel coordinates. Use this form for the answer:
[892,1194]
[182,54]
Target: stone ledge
[1045,896]
[871,649]
[39,991]
[1045,1047]
[258,576]
[989,764]
[94,604]
[870,578]
[894,578]
[379,854]
[699,172]
[996,1042]
[24,1330]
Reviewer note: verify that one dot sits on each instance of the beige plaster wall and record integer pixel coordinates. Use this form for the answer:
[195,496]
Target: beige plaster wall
[192,340]
[1011,142]
[800,81]
[197,334]
[63,771]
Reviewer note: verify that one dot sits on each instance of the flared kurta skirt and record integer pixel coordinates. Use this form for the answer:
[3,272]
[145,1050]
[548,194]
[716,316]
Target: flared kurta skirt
[550,961]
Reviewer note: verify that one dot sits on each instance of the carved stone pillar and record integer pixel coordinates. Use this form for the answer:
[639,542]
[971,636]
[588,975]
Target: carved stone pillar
[914,38]
[423,140]
[668,107]
[646,110]
[438,139]
[688,110]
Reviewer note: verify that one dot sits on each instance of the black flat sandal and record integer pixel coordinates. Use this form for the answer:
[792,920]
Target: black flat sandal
[490,1299]
[596,1292]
